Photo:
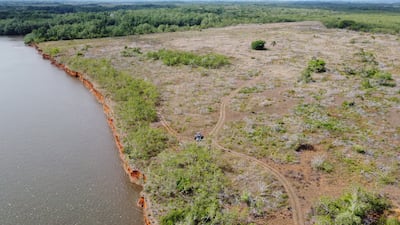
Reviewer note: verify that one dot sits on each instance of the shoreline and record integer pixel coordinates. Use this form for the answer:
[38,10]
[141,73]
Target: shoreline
[134,174]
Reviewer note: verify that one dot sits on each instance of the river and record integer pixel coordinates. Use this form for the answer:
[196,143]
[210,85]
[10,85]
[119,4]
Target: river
[58,160]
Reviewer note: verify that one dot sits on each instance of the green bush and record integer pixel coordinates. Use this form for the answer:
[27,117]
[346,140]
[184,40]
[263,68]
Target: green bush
[246,197]
[249,90]
[323,220]
[136,102]
[306,76]
[258,45]
[173,217]
[316,117]
[384,79]
[367,57]
[345,24]
[316,65]
[320,163]
[130,52]
[54,51]
[347,218]
[146,143]
[174,58]
[392,221]
[189,184]
[366,84]
[30,38]
[359,149]
[370,72]
[351,208]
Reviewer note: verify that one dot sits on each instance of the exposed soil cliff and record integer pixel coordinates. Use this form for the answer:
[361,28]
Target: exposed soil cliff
[135,175]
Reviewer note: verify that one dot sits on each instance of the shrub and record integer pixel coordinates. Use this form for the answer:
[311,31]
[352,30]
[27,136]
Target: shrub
[190,185]
[392,221]
[146,143]
[366,84]
[136,106]
[316,65]
[54,51]
[323,220]
[359,149]
[306,76]
[385,79]
[352,208]
[135,111]
[130,52]
[347,104]
[30,38]
[173,217]
[316,116]
[174,58]
[367,57]
[246,197]
[258,45]
[345,24]
[347,218]
[249,90]
[320,163]
[352,25]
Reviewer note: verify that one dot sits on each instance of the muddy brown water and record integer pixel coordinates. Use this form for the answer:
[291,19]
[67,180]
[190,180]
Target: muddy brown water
[58,160]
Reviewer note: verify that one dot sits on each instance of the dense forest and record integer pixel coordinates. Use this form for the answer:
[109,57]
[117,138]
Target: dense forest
[62,21]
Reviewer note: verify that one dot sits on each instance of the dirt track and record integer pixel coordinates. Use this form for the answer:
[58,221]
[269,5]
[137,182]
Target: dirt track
[298,217]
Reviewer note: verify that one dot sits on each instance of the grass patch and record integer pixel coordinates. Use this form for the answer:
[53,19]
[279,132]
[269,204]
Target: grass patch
[145,143]
[174,58]
[263,140]
[320,163]
[306,76]
[190,185]
[136,106]
[356,207]
[314,66]
[369,71]
[316,118]
[250,90]
[130,52]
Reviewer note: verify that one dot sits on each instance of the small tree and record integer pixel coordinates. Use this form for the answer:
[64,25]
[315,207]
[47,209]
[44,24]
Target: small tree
[258,45]
[316,65]
[306,76]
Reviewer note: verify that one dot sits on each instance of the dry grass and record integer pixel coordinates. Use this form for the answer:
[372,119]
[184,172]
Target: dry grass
[191,98]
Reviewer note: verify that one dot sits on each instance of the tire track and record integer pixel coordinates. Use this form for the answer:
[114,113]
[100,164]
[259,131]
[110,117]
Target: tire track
[293,199]
[169,129]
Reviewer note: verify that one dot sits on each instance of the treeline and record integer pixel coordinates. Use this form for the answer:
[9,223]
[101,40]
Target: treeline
[64,22]
[23,18]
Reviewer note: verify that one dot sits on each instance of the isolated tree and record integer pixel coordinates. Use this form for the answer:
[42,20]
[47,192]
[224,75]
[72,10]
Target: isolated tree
[317,65]
[258,45]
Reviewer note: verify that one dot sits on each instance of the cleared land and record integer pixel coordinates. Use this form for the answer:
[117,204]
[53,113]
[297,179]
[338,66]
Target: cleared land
[323,137]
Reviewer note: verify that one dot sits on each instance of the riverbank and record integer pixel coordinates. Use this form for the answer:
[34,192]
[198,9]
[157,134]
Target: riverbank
[134,174]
